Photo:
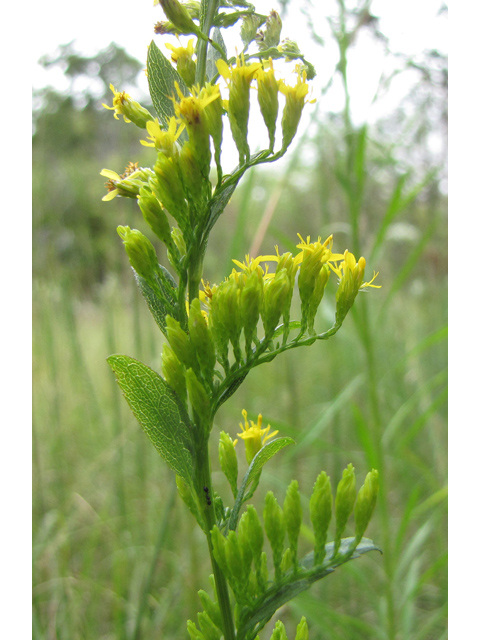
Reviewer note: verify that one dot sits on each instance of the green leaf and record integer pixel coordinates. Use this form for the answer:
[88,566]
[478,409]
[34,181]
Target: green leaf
[253,619]
[161,81]
[162,299]
[159,412]
[253,474]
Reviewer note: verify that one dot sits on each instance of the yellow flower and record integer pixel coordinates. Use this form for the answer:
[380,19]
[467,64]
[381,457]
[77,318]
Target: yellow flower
[163,140]
[131,110]
[294,103]
[238,79]
[351,282]
[316,251]
[254,436]
[349,268]
[128,184]
[183,58]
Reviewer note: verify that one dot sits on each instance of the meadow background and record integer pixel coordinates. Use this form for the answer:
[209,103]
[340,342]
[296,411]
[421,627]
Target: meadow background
[116,555]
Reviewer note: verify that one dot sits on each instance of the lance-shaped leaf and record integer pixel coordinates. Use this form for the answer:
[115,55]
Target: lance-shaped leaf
[161,81]
[159,412]
[253,474]
[213,54]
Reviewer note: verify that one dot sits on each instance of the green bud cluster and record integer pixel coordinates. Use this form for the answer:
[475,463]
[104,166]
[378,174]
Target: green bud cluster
[140,251]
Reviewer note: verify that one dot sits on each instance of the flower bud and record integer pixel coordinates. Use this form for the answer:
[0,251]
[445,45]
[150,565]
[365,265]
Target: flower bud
[228,460]
[275,530]
[211,608]
[179,16]
[302,630]
[251,299]
[219,543]
[271,36]
[198,397]
[292,510]
[344,501]
[179,241]
[254,533]
[234,557]
[248,30]
[214,117]
[131,110]
[268,100]
[154,215]
[279,632]
[209,629]
[292,112]
[276,294]
[140,251]
[321,514]
[244,543]
[193,632]
[167,186]
[174,372]
[287,560]
[201,339]
[180,342]
[366,499]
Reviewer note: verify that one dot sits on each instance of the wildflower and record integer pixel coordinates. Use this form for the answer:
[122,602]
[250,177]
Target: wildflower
[163,140]
[195,155]
[314,274]
[183,58]
[238,79]
[131,110]
[351,282]
[128,184]
[254,436]
[295,101]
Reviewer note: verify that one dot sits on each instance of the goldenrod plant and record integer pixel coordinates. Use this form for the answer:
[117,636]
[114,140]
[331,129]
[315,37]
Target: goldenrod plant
[216,333]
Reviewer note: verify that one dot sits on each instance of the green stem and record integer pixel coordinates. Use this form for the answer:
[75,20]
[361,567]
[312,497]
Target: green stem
[206,25]
[205,483]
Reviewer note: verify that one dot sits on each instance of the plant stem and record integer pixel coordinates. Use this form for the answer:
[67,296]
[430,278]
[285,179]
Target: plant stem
[205,26]
[205,482]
